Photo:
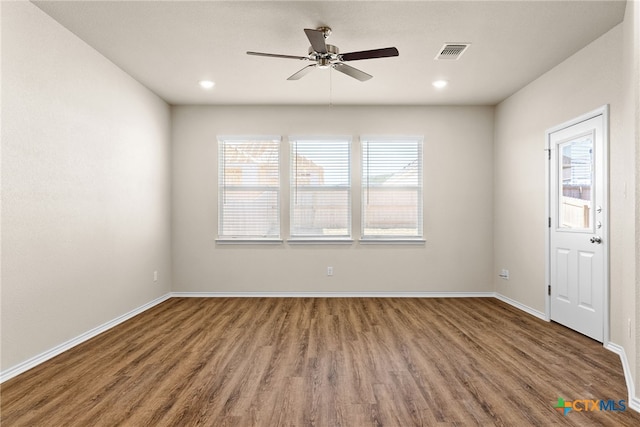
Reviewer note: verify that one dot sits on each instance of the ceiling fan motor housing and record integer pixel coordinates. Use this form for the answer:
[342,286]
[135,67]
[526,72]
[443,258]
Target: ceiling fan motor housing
[325,60]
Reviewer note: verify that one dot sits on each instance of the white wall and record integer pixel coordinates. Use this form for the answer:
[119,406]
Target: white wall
[587,80]
[583,82]
[631,81]
[85,187]
[458,163]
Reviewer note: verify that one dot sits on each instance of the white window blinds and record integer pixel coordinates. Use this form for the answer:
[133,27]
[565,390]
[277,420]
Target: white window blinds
[320,188]
[249,188]
[391,188]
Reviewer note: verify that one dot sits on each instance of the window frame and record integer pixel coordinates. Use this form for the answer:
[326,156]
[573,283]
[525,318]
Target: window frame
[392,238]
[320,239]
[223,188]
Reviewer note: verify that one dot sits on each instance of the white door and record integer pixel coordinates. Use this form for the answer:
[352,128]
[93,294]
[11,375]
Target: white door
[578,225]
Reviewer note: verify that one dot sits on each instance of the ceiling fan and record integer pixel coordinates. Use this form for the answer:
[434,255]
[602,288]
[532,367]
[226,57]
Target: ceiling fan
[327,55]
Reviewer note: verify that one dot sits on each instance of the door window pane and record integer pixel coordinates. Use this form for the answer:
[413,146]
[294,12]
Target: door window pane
[576,177]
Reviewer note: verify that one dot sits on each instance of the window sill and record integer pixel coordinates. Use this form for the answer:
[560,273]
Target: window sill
[392,241]
[249,241]
[320,241]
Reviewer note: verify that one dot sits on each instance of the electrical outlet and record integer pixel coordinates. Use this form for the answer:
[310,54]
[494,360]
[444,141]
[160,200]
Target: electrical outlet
[329,271]
[504,274]
[155,276]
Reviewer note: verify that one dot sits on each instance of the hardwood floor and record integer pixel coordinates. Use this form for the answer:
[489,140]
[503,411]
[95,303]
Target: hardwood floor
[324,362]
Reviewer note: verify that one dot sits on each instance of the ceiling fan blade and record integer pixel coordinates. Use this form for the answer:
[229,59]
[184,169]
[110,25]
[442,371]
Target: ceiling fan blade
[369,54]
[352,72]
[276,55]
[298,75]
[316,38]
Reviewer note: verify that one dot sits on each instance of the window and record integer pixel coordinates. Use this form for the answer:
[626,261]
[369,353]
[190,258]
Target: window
[576,166]
[392,188]
[320,188]
[248,188]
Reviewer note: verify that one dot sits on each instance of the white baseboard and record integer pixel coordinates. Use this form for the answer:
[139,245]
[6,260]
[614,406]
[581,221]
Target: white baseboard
[43,357]
[521,306]
[332,294]
[633,402]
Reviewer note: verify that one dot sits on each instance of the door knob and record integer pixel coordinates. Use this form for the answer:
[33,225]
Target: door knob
[596,239]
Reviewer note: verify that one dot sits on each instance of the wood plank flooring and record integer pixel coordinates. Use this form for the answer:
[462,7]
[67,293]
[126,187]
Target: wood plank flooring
[322,362]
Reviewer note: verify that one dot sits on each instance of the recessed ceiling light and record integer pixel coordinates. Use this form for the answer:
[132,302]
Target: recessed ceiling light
[206,84]
[439,84]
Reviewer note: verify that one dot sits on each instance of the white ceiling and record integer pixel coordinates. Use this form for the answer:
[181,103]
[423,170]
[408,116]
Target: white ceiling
[170,46]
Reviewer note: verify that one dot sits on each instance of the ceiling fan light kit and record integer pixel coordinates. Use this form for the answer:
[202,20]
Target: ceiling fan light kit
[326,55]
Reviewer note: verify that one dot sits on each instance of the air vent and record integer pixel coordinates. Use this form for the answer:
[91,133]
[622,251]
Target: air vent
[452,51]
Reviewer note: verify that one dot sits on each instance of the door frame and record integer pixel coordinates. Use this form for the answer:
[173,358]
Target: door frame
[604,112]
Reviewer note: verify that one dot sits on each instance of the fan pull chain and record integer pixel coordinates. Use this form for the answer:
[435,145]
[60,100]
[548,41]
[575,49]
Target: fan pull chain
[330,86]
